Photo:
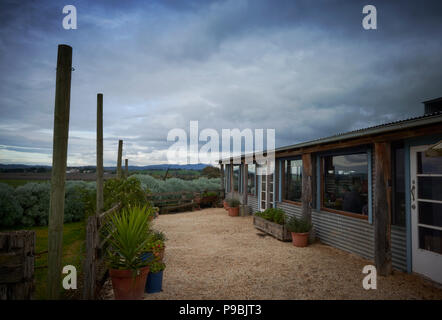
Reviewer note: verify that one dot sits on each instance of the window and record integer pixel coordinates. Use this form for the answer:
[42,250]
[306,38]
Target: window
[292,180]
[398,171]
[251,176]
[236,177]
[345,184]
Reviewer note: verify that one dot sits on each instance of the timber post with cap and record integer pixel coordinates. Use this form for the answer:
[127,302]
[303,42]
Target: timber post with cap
[59,162]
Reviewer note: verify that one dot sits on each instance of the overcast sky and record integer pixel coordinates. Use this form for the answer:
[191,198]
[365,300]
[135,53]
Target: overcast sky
[305,68]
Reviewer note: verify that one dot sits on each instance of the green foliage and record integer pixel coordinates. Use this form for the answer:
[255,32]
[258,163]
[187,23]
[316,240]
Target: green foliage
[233,203]
[10,210]
[158,236]
[156,266]
[128,192]
[272,214]
[298,225]
[33,198]
[129,230]
[211,172]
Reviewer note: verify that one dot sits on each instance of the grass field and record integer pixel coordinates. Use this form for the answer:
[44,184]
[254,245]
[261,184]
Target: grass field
[17,183]
[73,252]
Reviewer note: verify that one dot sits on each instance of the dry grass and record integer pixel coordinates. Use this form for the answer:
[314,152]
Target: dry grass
[212,256]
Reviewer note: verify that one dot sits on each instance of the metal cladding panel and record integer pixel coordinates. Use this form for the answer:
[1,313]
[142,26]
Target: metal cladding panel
[351,234]
[399,247]
[252,202]
[339,231]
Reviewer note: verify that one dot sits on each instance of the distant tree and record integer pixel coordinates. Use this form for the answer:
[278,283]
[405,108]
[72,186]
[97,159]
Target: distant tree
[211,172]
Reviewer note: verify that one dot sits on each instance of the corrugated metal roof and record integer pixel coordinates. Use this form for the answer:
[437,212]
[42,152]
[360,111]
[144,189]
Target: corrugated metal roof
[382,128]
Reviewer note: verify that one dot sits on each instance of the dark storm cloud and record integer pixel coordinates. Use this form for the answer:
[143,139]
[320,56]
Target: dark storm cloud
[306,68]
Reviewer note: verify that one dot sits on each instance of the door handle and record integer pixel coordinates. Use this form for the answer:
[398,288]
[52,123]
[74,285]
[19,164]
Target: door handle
[412,192]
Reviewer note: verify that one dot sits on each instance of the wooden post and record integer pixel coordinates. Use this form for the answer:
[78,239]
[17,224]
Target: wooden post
[89,266]
[59,159]
[245,180]
[307,186]
[382,208]
[222,181]
[17,249]
[126,168]
[99,153]
[120,155]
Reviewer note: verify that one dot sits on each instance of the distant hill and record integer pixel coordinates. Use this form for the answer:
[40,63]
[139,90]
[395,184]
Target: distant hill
[199,166]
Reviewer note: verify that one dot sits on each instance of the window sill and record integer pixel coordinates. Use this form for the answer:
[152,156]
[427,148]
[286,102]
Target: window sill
[292,202]
[345,213]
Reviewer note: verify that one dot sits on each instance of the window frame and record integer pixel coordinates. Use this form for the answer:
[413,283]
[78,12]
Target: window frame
[283,180]
[255,182]
[365,151]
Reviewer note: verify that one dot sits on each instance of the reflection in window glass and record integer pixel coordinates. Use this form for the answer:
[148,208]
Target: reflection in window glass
[236,177]
[346,183]
[251,179]
[293,180]
[430,239]
[427,165]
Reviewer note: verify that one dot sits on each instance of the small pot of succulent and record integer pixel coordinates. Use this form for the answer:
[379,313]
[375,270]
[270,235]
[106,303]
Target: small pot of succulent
[300,229]
[128,234]
[156,245]
[233,207]
[154,281]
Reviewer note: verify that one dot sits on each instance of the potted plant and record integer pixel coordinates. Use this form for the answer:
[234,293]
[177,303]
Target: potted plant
[225,204]
[128,234]
[300,229]
[156,245]
[233,207]
[154,281]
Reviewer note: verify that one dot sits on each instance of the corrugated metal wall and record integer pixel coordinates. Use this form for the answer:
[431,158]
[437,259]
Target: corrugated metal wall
[352,235]
[399,247]
[252,202]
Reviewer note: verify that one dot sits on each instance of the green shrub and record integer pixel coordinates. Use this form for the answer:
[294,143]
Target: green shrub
[156,267]
[128,192]
[298,225]
[272,214]
[11,212]
[233,203]
[34,200]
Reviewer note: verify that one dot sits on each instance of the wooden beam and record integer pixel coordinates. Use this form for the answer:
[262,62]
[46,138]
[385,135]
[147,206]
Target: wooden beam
[99,153]
[222,181]
[120,155]
[382,208]
[387,137]
[307,186]
[59,160]
[245,180]
[126,168]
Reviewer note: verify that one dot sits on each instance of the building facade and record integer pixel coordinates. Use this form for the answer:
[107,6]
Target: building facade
[375,192]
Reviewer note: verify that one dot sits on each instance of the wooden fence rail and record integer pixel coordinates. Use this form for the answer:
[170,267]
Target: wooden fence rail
[93,268]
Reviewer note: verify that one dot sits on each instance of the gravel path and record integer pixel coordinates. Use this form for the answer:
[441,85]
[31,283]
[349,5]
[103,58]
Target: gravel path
[210,255]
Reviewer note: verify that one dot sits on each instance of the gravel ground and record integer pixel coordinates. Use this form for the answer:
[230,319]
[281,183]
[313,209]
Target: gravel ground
[210,255]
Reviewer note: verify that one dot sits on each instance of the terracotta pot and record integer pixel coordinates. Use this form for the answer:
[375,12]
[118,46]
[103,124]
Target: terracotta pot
[300,239]
[226,206]
[126,286]
[234,212]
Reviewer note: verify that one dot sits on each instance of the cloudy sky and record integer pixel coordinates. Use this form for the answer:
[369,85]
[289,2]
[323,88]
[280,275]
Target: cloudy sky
[305,68]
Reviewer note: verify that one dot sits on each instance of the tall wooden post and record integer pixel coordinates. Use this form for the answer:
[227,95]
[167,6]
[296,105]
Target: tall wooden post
[59,159]
[222,181]
[382,208]
[307,186]
[244,183]
[99,153]
[126,168]
[120,155]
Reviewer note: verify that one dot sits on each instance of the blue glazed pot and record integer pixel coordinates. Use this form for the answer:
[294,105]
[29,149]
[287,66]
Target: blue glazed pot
[147,257]
[154,282]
